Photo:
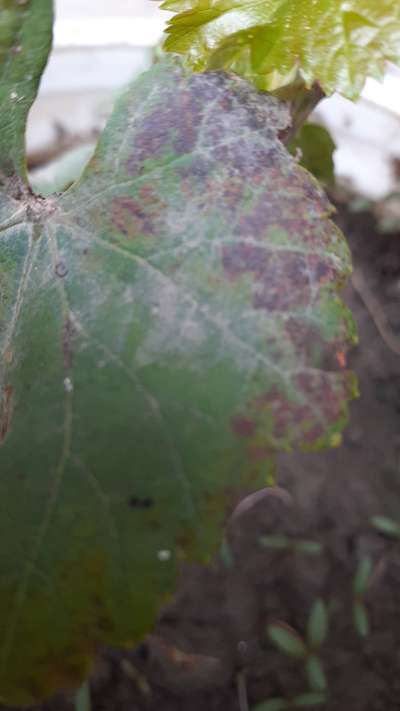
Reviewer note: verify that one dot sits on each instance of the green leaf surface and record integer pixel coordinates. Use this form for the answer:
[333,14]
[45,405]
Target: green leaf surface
[308,547]
[281,542]
[317,627]
[226,554]
[287,640]
[276,542]
[316,148]
[386,525]
[276,704]
[311,699]
[337,43]
[82,698]
[360,617]
[315,674]
[362,577]
[166,325]
[25,39]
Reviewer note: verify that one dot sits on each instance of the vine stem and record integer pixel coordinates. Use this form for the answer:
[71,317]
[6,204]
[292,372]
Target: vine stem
[82,698]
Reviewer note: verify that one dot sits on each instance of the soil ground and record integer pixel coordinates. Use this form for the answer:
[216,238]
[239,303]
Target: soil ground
[209,650]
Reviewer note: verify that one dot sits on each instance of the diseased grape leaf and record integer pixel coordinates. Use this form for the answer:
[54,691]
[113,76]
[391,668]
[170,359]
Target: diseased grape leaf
[166,325]
[337,43]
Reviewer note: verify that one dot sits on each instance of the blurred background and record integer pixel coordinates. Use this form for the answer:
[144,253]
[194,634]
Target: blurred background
[100,46]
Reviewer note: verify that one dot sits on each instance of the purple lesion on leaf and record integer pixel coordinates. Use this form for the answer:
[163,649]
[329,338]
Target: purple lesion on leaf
[198,169]
[310,347]
[284,413]
[283,421]
[283,279]
[134,217]
[233,193]
[329,389]
[243,426]
[170,130]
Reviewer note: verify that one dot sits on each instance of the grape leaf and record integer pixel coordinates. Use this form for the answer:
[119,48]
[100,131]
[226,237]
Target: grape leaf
[166,325]
[315,147]
[25,40]
[336,43]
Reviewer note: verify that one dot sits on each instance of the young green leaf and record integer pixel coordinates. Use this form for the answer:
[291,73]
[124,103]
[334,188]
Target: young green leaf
[312,698]
[386,525]
[308,547]
[317,624]
[25,40]
[277,704]
[335,43]
[226,554]
[82,698]
[277,542]
[287,640]
[316,152]
[315,673]
[360,616]
[362,577]
[163,320]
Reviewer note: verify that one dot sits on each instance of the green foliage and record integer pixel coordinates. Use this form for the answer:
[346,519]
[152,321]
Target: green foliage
[335,43]
[25,39]
[360,617]
[308,547]
[317,628]
[307,700]
[290,643]
[293,545]
[287,640]
[276,542]
[387,526]
[362,577]
[316,148]
[315,673]
[82,698]
[166,325]
[276,704]
[310,699]
[360,587]
[226,554]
